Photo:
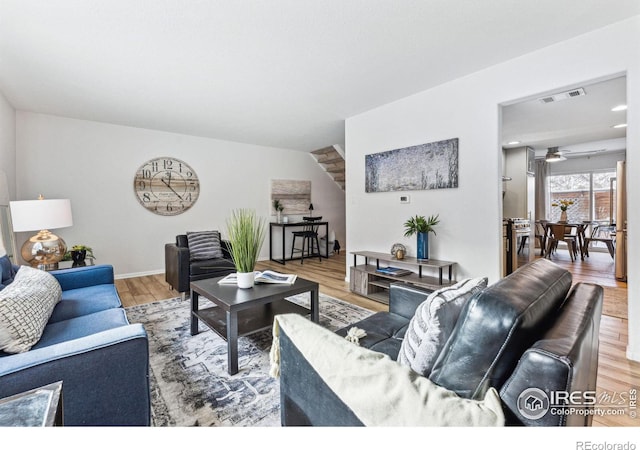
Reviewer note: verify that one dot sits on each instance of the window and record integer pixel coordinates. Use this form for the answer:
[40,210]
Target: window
[604,203]
[590,193]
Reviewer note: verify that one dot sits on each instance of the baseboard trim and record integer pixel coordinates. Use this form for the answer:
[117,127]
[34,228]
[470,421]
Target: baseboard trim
[138,274]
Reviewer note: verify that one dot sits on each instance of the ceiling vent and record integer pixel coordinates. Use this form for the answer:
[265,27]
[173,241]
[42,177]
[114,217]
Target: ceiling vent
[563,95]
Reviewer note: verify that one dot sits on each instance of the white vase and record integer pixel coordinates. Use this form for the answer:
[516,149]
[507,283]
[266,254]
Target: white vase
[246,280]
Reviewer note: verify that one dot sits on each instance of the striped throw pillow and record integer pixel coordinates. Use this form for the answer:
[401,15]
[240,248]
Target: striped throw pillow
[204,245]
[433,323]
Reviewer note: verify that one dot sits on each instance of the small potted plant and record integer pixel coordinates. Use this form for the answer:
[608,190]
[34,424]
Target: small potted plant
[80,252]
[421,226]
[246,233]
[279,207]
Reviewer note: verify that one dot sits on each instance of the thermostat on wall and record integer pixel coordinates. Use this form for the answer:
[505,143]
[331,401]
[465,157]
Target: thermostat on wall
[405,199]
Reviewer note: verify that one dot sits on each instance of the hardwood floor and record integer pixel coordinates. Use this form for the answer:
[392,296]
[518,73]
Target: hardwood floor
[616,374]
[147,289]
[329,274]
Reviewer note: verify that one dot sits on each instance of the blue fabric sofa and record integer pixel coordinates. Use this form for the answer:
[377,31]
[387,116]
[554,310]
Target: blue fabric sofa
[88,343]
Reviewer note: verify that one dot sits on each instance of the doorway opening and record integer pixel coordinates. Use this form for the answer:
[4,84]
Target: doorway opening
[585,134]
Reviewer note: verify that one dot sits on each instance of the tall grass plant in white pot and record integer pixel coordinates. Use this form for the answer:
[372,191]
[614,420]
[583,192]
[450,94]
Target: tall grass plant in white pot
[246,232]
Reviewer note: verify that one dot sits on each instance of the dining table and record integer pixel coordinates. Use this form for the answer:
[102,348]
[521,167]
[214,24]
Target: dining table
[580,231]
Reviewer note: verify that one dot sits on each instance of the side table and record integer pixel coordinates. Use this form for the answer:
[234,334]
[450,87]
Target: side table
[40,407]
[73,264]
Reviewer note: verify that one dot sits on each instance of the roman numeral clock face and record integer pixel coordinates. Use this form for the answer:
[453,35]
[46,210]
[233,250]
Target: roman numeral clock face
[166,186]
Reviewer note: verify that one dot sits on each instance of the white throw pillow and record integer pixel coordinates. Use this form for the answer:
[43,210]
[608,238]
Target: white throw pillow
[25,307]
[433,323]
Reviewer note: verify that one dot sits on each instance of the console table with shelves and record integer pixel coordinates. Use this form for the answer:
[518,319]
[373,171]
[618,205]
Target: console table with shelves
[366,280]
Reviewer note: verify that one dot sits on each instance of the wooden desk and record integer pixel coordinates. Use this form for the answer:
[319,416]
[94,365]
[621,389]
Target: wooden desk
[284,227]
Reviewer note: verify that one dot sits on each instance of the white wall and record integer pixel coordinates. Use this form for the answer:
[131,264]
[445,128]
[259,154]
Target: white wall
[94,165]
[8,143]
[469,109]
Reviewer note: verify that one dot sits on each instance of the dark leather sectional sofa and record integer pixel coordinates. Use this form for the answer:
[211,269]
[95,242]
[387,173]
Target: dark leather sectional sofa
[529,333]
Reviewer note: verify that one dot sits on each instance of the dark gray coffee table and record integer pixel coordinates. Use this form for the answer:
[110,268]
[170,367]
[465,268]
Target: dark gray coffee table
[239,312]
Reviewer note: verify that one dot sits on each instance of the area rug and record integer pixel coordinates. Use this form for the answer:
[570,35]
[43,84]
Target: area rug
[615,302]
[189,382]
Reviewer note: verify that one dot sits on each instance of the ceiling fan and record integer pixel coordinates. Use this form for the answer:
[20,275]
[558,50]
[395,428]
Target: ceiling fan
[555,155]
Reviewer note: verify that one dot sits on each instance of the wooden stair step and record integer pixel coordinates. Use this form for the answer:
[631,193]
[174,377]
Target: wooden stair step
[329,159]
[334,167]
[323,151]
[332,162]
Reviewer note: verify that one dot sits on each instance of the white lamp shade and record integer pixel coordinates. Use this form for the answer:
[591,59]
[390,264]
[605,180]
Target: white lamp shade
[31,215]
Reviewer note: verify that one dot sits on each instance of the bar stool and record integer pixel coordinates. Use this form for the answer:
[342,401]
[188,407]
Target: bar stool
[310,242]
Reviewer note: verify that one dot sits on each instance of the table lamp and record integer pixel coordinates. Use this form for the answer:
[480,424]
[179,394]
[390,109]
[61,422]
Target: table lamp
[311,209]
[45,249]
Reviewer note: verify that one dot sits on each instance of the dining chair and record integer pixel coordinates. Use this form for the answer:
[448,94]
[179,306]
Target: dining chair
[540,233]
[309,236]
[604,234]
[523,243]
[558,232]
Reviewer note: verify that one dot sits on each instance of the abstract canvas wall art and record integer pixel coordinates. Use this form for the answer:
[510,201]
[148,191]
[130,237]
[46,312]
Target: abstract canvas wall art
[420,167]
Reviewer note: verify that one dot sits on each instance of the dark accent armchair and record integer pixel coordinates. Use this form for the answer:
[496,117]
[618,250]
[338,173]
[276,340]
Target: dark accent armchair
[180,271]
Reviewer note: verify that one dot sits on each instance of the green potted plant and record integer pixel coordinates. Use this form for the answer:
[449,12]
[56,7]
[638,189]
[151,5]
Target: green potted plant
[279,207]
[78,253]
[246,232]
[421,226]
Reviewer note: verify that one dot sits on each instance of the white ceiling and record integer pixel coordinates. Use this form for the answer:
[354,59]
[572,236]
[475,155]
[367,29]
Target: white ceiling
[283,73]
[581,125]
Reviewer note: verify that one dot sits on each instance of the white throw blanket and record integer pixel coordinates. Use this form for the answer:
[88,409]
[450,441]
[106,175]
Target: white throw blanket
[378,390]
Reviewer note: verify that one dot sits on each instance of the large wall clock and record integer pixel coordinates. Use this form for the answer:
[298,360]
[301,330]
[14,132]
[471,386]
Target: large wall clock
[166,186]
